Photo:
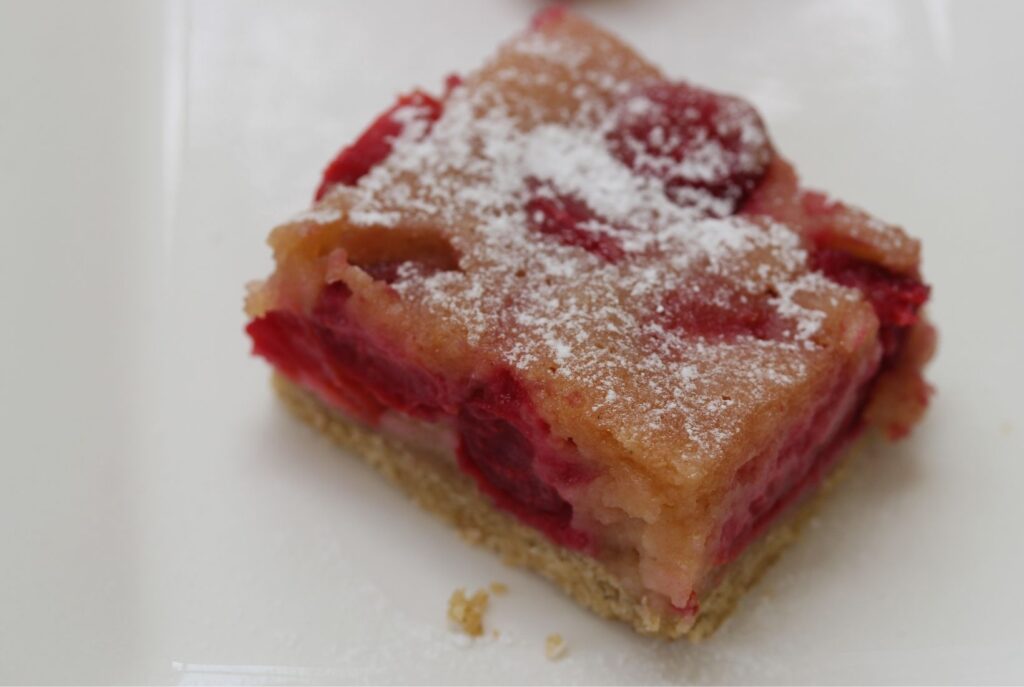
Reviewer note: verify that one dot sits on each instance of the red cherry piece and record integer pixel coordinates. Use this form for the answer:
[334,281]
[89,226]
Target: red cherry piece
[573,223]
[717,311]
[374,145]
[503,444]
[694,141]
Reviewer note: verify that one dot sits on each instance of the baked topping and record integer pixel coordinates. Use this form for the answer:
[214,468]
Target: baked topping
[587,213]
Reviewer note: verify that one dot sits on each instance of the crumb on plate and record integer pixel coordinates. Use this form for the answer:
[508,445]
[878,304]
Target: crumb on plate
[554,647]
[468,612]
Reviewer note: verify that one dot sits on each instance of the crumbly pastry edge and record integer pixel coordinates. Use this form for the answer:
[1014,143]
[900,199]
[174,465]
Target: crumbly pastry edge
[441,488]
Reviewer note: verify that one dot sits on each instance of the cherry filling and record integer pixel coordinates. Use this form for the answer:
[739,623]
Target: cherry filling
[716,310]
[502,442]
[549,15]
[374,145]
[814,445]
[896,298]
[393,382]
[571,222]
[330,354]
[507,448]
[692,139]
[695,141]
[768,483]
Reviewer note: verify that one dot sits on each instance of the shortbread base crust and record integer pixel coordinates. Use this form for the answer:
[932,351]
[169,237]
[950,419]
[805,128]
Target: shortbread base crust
[439,486]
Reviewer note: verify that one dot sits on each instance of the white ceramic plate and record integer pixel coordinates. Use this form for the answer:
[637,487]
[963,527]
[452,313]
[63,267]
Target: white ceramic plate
[162,519]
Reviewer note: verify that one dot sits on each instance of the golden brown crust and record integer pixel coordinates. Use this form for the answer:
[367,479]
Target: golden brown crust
[438,486]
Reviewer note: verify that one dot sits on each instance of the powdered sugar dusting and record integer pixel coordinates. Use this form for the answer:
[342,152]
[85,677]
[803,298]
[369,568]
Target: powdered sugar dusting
[538,125]
[318,215]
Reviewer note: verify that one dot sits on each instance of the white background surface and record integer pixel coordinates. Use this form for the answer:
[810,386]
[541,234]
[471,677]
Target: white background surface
[162,519]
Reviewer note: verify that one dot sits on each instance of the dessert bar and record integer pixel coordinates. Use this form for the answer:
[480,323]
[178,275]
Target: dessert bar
[590,316]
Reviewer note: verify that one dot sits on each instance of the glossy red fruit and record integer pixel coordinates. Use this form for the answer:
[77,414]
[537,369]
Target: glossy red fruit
[572,222]
[375,143]
[717,311]
[694,141]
